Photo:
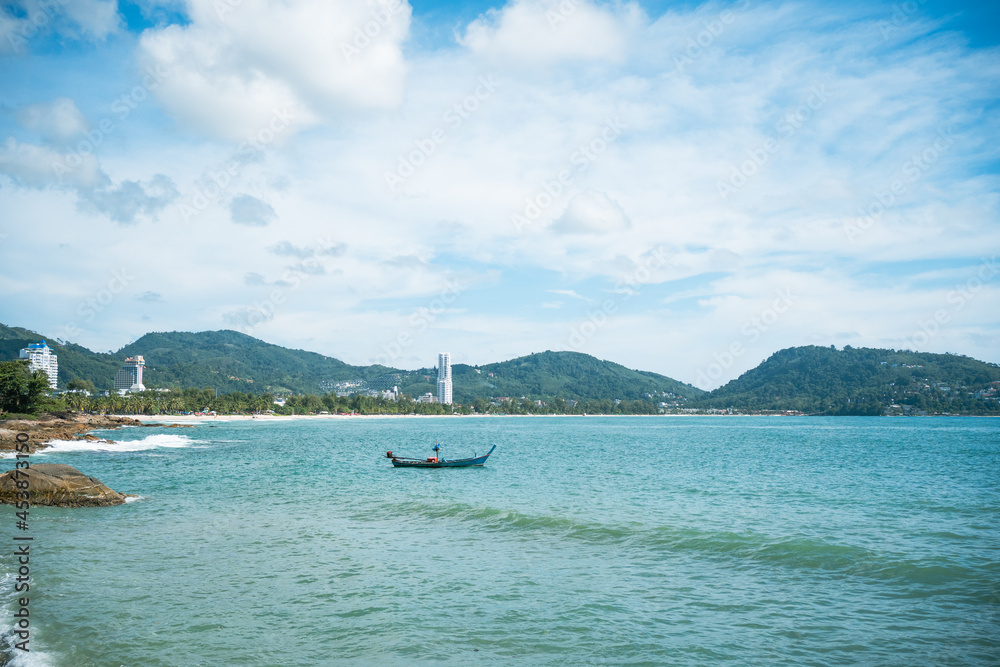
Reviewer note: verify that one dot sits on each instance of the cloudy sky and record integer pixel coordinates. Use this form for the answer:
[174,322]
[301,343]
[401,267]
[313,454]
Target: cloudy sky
[678,187]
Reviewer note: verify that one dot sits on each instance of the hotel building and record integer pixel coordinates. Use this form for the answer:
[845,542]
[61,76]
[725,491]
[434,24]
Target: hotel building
[40,358]
[129,378]
[444,378]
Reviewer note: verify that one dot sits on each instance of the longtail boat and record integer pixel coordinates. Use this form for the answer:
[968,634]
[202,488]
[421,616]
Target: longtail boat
[437,461]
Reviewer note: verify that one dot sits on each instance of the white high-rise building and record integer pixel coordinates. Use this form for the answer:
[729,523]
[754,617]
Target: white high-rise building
[40,358]
[129,378]
[444,378]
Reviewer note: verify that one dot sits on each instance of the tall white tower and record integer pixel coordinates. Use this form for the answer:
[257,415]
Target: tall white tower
[444,378]
[129,378]
[40,358]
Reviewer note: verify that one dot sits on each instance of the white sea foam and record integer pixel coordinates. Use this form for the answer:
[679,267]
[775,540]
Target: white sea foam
[168,440]
[34,658]
[13,656]
[132,499]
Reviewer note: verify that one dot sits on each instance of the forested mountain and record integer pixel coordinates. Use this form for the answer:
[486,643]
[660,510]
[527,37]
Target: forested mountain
[570,375]
[75,361]
[229,361]
[232,361]
[811,379]
[862,381]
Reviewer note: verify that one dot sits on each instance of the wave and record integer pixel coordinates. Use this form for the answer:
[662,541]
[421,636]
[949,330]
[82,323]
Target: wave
[13,657]
[156,441]
[743,549]
[10,656]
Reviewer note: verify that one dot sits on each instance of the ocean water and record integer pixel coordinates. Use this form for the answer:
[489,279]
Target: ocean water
[583,541]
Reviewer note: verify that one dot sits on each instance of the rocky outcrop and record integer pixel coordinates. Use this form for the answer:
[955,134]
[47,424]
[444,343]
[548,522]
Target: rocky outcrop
[62,426]
[57,485]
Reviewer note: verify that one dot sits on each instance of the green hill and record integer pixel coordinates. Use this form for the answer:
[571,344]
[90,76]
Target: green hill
[570,375]
[232,361]
[229,361]
[75,361]
[862,381]
[811,379]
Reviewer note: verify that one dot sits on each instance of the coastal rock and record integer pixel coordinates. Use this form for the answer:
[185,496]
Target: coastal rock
[61,426]
[58,485]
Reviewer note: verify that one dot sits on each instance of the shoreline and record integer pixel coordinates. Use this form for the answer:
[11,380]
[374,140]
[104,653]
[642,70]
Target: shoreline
[66,427]
[208,419]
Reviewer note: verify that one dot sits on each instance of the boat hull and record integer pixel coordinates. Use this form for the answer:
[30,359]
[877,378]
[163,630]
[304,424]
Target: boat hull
[457,463]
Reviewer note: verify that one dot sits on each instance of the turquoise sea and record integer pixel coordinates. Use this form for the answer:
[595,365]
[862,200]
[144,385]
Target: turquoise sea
[583,541]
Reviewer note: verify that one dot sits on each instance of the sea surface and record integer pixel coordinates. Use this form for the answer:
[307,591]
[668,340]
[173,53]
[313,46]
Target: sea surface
[583,541]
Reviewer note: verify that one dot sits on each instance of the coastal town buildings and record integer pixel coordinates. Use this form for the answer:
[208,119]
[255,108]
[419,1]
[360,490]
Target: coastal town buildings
[129,378]
[444,378]
[40,358]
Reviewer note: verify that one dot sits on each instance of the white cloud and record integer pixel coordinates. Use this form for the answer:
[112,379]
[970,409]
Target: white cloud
[249,210]
[543,32]
[687,122]
[34,166]
[74,19]
[592,212]
[238,62]
[568,292]
[96,18]
[55,121]
[125,202]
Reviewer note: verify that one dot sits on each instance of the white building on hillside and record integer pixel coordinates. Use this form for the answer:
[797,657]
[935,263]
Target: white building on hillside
[129,378]
[444,378]
[40,358]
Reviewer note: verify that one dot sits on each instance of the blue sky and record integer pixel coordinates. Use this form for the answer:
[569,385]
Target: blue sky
[679,187]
